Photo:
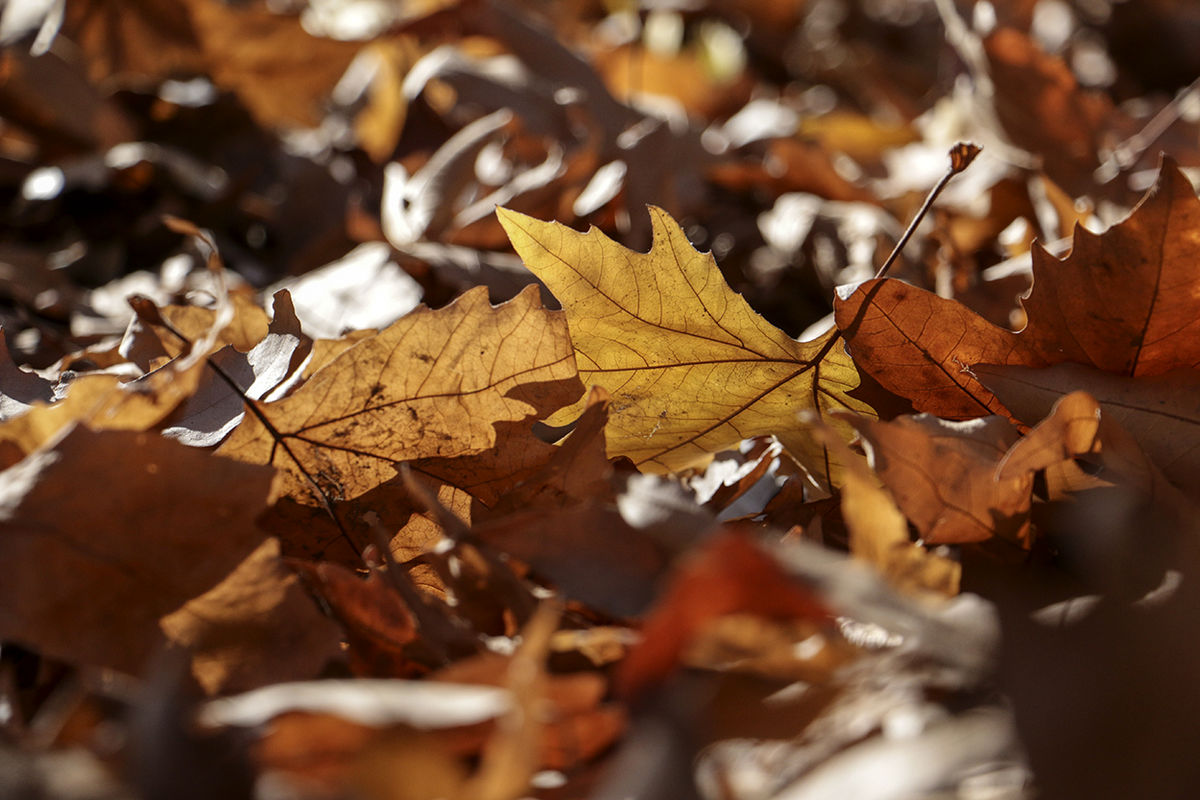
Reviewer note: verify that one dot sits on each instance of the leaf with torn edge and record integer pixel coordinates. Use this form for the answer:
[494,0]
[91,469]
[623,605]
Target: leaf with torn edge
[691,368]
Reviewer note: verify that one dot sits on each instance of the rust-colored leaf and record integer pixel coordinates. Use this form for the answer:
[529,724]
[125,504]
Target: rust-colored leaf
[279,70]
[1126,301]
[729,574]
[943,476]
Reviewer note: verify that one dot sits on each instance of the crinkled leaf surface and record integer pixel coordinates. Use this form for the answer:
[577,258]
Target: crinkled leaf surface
[691,368]
[433,384]
[1126,301]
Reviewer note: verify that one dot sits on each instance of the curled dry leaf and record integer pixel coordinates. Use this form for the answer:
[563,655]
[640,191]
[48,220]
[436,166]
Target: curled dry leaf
[19,389]
[433,384]
[105,402]
[1079,429]
[255,627]
[1124,301]
[692,369]
[578,724]
[943,476]
[1159,411]
[215,408]
[1069,430]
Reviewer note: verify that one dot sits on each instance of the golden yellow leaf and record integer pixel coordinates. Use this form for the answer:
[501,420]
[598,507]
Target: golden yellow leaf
[433,384]
[692,369]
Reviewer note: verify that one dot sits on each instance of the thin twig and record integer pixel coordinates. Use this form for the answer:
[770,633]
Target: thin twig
[961,156]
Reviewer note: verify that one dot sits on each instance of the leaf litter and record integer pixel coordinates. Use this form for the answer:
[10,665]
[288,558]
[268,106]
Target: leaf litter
[596,519]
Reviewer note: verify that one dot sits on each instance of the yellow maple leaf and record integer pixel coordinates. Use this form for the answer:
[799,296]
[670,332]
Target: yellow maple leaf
[691,367]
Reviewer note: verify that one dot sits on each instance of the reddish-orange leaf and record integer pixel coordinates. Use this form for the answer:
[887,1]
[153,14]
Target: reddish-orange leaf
[1126,301]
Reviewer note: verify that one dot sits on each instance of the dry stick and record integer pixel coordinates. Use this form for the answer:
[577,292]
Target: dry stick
[148,312]
[1127,153]
[961,156]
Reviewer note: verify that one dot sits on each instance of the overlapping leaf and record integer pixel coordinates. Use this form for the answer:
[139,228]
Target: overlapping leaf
[691,367]
[105,532]
[433,384]
[1126,301]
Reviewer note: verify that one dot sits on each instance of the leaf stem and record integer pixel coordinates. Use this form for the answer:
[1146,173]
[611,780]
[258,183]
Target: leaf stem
[961,156]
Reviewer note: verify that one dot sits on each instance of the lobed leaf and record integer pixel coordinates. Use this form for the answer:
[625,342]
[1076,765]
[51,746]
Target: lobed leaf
[433,384]
[1126,301]
[691,368]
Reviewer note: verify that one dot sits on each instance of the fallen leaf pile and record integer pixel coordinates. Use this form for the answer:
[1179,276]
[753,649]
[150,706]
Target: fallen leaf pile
[483,399]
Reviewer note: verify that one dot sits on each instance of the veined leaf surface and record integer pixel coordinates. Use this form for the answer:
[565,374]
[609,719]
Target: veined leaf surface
[692,369]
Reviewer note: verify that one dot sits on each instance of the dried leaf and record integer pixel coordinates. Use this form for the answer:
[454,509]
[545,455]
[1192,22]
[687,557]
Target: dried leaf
[1070,429]
[215,409]
[254,628]
[433,384]
[84,581]
[105,402]
[1044,110]
[1123,301]
[1158,411]
[280,71]
[879,535]
[943,476]
[728,574]
[376,622]
[692,369]
[19,389]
